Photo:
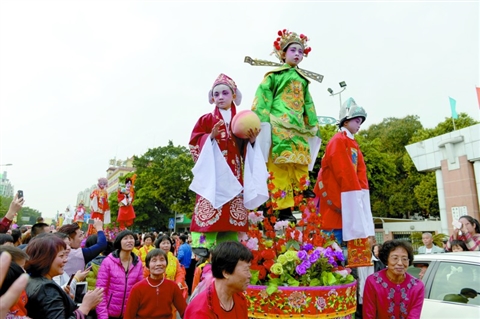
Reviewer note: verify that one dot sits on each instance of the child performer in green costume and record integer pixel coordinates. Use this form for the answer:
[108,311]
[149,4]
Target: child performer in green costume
[289,137]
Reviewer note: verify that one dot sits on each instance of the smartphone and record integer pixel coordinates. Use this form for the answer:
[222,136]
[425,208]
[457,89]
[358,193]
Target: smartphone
[91,221]
[457,224]
[20,194]
[71,278]
[80,292]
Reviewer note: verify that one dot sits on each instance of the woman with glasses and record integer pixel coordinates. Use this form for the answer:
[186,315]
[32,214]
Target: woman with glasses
[392,292]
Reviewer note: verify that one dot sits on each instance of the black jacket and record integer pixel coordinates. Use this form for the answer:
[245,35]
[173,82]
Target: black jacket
[46,299]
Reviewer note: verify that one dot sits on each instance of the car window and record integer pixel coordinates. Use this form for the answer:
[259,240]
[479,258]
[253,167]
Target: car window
[456,282]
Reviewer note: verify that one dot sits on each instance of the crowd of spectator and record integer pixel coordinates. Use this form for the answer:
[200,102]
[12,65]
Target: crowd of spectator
[153,275]
[70,276]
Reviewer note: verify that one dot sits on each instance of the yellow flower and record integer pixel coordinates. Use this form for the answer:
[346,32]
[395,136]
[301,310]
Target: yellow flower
[282,259]
[268,243]
[291,255]
[277,269]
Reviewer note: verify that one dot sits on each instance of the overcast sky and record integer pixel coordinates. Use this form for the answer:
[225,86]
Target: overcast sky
[82,82]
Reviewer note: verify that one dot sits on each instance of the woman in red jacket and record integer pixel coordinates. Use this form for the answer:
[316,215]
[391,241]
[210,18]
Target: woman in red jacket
[117,275]
[153,297]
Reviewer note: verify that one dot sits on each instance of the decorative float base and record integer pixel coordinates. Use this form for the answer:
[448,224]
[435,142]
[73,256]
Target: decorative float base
[303,302]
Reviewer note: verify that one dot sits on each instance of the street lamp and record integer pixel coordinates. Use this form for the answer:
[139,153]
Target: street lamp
[343,86]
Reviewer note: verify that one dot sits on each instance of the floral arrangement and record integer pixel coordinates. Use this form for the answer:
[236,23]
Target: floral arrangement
[289,255]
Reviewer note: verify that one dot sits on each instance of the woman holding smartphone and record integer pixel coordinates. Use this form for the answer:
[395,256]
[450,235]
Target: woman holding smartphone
[45,298]
[468,230]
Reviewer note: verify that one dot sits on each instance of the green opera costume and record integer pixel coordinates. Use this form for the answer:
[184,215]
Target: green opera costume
[284,101]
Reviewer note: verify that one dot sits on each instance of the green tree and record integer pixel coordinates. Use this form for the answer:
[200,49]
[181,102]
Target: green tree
[381,173]
[392,135]
[161,189]
[326,132]
[24,213]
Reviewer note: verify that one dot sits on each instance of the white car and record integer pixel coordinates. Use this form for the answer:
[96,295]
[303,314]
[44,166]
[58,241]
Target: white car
[450,276]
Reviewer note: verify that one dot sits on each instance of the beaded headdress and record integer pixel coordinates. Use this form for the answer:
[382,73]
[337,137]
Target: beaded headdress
[228,81]
[285,38]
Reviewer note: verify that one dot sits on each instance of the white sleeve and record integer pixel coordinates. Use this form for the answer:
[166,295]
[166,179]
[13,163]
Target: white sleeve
[264,139]
[357,220]
[255,191]
[212,177]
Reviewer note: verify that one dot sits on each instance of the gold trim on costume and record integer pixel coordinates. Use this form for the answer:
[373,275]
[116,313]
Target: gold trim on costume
[257,62]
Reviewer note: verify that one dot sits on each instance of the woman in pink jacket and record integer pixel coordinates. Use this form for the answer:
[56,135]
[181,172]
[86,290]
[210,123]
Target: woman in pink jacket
[117,275]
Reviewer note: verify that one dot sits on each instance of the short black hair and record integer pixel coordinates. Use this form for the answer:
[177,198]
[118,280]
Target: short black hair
[117,244]
[226,255]
[183,238]
[91,240]
[390,245]
[460,243]
[16,234]
[148,236]
[6,238]
[153,253]
[162,238]
[36,228]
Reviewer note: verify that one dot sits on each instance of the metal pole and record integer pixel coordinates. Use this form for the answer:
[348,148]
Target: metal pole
[175,222]
[453,121]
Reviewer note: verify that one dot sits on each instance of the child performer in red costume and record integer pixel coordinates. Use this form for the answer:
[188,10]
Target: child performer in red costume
[126,194]
[99,204]
[342,188]
[229,174]
[79,214]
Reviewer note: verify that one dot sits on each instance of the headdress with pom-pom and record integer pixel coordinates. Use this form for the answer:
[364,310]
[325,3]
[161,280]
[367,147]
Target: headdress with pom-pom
[228,81]
[285,38]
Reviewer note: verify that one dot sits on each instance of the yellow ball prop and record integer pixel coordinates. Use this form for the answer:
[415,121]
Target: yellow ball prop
[243,122]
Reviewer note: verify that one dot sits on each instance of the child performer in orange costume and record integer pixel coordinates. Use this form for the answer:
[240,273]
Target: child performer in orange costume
[342,188]
[126,213]
[99,204]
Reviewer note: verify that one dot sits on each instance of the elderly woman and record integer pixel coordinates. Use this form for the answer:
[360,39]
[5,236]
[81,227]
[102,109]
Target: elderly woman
[392,292]
[153,297]
[224,298]
[470,233]
[45,298]
[174,270]
[118,273]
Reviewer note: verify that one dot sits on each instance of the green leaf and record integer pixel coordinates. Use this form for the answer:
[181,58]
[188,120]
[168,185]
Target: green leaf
[272,288]
[315,282]
[328,278]
[255,277]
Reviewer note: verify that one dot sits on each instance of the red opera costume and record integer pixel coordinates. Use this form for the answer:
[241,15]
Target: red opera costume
[125,196]
[99,204]
[229,173]
[335,177]
[79,214]
[342,188]
[232,216]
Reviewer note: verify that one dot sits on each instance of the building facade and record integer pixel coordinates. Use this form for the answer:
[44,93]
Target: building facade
[6,188]
[455,159]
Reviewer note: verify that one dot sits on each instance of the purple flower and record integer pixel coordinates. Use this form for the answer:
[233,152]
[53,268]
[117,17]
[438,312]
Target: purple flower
[339,255]
[302,254]
[307,247]
[307,263]
[202,239]
[314,256]
[284,194]
[301,269]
